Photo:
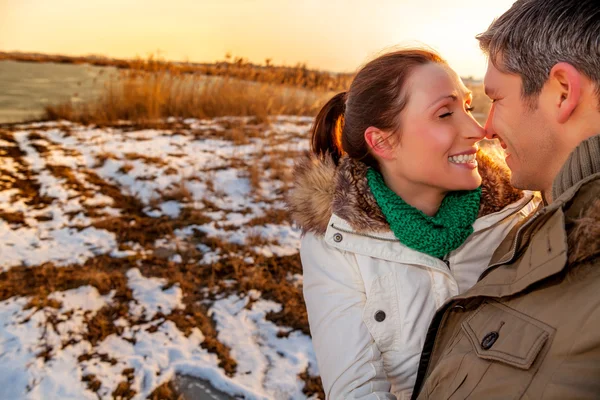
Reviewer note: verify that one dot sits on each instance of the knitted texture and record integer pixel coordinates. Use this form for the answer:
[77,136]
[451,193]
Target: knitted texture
[582,162]
[437,235]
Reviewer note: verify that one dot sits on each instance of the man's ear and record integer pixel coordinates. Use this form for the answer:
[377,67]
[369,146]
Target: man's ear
[380,142]
[566,84]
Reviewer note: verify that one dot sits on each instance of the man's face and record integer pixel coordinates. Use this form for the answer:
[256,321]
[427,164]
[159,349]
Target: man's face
[523,129]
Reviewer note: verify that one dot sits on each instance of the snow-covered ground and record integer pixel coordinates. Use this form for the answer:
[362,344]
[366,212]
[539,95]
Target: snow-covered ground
[153,209]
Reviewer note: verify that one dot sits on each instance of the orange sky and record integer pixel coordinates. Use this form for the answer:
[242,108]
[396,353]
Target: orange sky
[337,35]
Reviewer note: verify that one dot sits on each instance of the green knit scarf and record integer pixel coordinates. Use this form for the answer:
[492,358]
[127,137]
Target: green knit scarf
[436,236]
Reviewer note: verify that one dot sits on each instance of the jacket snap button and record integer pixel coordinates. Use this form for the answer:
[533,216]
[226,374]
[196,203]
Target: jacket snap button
[489,340]
[379,316]
[337,237]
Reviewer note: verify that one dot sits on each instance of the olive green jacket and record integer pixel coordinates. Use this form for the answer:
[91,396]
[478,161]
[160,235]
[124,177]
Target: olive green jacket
[530,328]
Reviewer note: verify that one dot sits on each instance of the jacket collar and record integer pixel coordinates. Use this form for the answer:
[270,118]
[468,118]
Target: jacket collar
[322,189]
[582,162]
[381,245]
[566,232]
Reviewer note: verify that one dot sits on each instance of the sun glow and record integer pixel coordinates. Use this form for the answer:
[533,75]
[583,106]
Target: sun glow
[335,35]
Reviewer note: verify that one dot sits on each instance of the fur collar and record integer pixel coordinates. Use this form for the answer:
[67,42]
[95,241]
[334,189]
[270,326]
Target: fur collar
[583,238]
[321,188]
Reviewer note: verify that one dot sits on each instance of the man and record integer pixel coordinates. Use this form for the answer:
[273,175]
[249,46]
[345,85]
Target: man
[530,328]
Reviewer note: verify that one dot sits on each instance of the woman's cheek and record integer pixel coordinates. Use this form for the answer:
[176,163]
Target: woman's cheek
[439,141]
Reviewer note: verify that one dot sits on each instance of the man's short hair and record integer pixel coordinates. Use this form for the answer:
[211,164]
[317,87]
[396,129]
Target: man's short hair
[534,35]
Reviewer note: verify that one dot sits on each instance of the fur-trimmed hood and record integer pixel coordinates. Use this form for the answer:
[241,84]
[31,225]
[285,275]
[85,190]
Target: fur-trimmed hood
[321,188]
[584,234]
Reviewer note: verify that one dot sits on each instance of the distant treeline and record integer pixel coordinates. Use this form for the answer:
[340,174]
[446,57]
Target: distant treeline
[236,67]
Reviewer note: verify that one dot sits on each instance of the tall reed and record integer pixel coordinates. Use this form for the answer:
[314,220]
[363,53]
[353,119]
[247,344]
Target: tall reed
[142,95]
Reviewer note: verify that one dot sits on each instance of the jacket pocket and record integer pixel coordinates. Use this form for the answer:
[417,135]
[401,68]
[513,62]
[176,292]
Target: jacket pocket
[381,312]
[495,356]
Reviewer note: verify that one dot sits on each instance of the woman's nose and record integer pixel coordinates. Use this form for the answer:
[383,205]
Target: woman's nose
[475,130]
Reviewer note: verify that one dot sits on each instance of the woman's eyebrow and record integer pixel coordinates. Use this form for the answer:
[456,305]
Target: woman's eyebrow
[452,96]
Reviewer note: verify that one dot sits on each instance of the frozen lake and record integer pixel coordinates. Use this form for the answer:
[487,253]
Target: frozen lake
[26,88]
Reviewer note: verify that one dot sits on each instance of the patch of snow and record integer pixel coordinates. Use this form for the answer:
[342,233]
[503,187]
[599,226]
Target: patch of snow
[171,208]
[150,296]
[267,364]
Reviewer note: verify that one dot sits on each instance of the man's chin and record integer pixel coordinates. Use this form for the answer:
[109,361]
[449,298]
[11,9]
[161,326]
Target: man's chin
[516,177]
[519,181]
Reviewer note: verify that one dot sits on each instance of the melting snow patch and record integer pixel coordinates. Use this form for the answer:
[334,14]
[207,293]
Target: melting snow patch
[25,334]
[45,353]
[150,296]
[267,364]
[62,246]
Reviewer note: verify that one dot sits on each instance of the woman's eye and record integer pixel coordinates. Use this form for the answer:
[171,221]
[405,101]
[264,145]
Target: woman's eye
[446,115]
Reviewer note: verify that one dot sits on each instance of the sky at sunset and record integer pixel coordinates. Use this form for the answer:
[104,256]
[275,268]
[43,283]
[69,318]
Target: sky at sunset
[333,35]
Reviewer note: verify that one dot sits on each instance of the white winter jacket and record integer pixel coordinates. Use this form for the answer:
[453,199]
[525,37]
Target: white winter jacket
[370,298]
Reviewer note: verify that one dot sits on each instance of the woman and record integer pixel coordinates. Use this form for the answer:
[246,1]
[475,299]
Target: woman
[400,211]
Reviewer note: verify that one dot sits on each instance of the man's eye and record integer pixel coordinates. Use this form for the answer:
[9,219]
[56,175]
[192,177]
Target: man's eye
[470,108]
[493,100]
[446,115]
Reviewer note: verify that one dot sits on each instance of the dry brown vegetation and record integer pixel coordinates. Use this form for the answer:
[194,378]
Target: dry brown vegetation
[481,102]
[298,75]
[141,96]
[151,89]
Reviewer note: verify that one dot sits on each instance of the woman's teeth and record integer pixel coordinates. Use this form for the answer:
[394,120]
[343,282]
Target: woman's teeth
[462,159]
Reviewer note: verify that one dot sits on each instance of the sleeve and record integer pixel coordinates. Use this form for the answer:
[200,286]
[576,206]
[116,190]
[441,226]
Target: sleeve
[349,361]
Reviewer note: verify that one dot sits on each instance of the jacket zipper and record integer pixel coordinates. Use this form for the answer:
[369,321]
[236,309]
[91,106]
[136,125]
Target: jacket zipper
[513,249]
[364,234]
[447,262]
[424,360]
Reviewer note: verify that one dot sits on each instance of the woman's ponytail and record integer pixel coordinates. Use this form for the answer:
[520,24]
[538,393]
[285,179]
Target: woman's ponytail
[327,128]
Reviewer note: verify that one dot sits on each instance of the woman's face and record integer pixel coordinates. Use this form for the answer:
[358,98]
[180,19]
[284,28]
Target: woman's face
[438,135]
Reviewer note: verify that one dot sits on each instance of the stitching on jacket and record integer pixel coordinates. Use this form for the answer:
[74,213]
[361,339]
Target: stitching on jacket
[363,234]
[524,276]
[537,344]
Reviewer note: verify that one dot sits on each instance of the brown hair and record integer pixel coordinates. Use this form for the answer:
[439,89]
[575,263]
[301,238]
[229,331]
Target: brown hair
[376,98]
[534,35]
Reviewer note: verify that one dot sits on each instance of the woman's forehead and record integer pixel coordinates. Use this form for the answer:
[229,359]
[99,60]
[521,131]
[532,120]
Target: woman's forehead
[432,81]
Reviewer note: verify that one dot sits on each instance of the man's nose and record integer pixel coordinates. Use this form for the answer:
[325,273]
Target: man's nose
[489,129]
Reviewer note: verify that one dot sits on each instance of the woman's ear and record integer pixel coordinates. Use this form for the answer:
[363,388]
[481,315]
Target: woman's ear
[380,142]
[566,82]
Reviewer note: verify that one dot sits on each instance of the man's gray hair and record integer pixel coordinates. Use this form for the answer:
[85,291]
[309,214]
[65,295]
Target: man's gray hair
[534,35]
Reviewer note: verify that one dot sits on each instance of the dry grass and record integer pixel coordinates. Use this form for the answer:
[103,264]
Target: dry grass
[166,391]
[147,159]
[481,103]
[150,95]
[179,192]
[151,90]
[236,67]
[103,157]
[255,174]
[16,218]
